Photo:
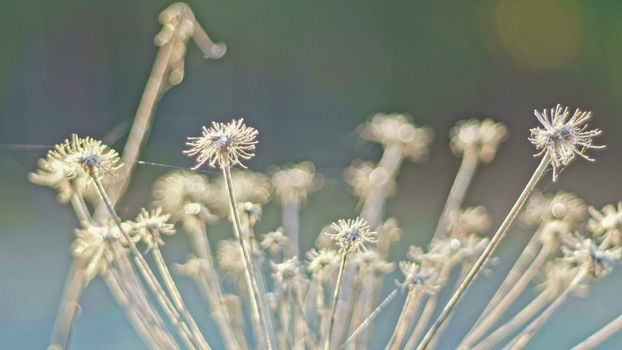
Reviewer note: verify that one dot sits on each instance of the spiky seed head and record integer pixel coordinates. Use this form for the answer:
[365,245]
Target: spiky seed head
[351,234]
[562,136]
[223,144]
[150,225]
[607,223]
[417,276]
[482,137]
[321,260]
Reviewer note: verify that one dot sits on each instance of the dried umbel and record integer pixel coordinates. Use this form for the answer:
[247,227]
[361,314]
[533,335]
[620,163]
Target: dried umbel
[230,259]
[389,233]
[365,178]
[149,227]
[71,165]
[558,275]
[563,206]
[373,263]
[274,242]
[606,224]
[93,244]
[416,276]
[351,235]
[585,252]
[321,260]
[250,186]
[186,196]
[482,137]
[563,136]
[286,273]
[472,220]
[396,130]
[223,144]
[294,182]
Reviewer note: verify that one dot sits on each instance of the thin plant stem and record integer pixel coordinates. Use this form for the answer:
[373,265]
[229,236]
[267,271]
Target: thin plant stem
[372,316]
[150,278]
[458,191]
[601,335]
[290,210]
[515,273]
[525,336]
[487,253]
[259,309]
[213,294]
[517,321]
[76,281]
[405,321]
[170,285]
[336,293]
[503,305]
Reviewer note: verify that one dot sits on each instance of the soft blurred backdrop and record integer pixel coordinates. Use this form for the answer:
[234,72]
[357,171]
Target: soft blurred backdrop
[305,74]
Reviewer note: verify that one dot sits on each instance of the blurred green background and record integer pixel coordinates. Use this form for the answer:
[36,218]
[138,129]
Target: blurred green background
[305,74]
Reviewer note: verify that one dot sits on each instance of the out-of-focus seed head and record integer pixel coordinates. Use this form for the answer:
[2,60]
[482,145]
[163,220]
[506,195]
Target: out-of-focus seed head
[563,206]
[371,262]
[557,277]
[351,235]
[193,267]
[472,220]
[482,137]
[93,244]
[562,136]
[274,242]
[365,178]
[389,233]
[294,182]
[606,224]
[286,273]
[416,276]
[223,144]
[231,259]
[321,260]
[586,253]
[397,130]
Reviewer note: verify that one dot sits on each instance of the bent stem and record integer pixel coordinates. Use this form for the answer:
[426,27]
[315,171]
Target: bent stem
[487,253]
[260,309]
[601,335]
[149,276]
[458,190]
[525,336]
[331,323]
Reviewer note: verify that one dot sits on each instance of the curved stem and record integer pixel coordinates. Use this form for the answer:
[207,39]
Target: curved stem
[487,253]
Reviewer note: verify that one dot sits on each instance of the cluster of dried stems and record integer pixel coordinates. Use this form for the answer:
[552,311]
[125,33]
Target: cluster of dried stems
[330,297]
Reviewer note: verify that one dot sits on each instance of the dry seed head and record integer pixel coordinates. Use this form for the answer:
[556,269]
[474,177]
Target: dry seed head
[373,263]
[149,226]
[93,245]
[557,277]
[293,182]
[250,186]
[321,260]
[396,130]
[562,206]
[274,242]
[562,136]
[186,196]
[193,267]
[351,235]
[480,136]
[389,233]
[416,276]
[586,253]
[365,178]
[78,160]
[231,260]
[223,144]
[287,272]
[553,232]
[472,220]
[607,223]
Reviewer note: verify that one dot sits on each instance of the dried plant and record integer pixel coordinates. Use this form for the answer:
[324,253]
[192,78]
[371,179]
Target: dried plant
[330,296]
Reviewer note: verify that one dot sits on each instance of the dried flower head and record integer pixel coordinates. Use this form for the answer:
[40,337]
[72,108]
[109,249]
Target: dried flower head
[371,262]
[193,267]
[149,226]
[562,136]
[365,178]
[286,273]
[274,242]
[607,223]
[389,233]
[584,252]
[482,137]
[231,260]
[77,160]
[563,206]
[396,130]
[351,234]
[93,245]
[557,277]
[416,276]
[293,182]
[186,196]
[554,232]
[223,144]
[321,260]
[250,186]
[472,220]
